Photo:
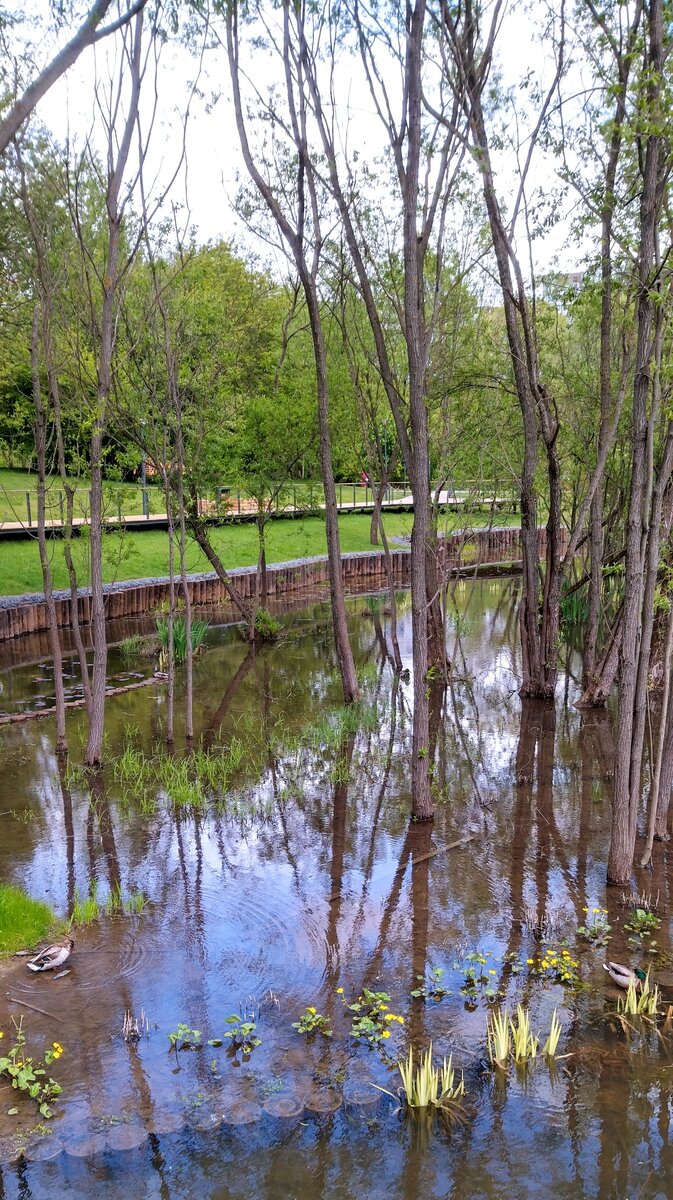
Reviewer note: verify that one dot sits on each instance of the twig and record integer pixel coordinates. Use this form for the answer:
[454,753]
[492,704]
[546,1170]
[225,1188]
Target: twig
[34,1008]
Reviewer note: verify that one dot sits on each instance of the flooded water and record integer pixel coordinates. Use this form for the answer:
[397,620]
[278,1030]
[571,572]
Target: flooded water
[300,876]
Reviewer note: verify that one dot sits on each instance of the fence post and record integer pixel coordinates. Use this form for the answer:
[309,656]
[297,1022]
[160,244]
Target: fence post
[238,497]
[60,506]
[354,501]
[294,498]
[30,519]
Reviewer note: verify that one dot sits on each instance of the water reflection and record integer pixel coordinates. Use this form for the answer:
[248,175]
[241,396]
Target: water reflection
[308,878]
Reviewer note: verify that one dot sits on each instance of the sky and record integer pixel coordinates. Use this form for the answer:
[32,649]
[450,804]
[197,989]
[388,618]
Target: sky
[206,190]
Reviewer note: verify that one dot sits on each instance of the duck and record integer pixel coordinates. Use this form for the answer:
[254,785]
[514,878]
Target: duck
[52,956]
[624,976]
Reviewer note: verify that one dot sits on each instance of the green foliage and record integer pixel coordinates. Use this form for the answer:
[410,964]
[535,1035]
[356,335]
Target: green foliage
[267,627]
[23,921]
[372,1018]
[430,986]
[643,922]
[185,1038]
[312,1022]
[597,929]
[29,1075]
[199,629]
[243,1036]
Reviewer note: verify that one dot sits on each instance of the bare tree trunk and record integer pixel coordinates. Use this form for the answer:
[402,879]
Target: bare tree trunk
[304,242]
[623,62]
[629,754]
[41,456]
[110,283]
[47,307]
[87,34]
[661,743]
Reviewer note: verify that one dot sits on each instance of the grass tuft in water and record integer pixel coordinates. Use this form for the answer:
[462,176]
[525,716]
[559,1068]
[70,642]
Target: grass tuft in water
[426,1086]
[551,1045]
[87,909]
[23,921]
[199,630]
[640,1001]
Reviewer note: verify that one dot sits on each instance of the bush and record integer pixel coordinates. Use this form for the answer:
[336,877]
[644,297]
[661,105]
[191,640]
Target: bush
[267,628]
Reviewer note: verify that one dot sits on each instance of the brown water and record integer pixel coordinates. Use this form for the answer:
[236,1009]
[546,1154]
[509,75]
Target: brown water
[307,878]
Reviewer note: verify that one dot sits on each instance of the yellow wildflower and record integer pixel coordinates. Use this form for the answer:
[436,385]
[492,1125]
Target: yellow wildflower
[530,961]
[390,1017]
[492,972]
[400,1019]
[339,991]
[310,1009]
[386,1033]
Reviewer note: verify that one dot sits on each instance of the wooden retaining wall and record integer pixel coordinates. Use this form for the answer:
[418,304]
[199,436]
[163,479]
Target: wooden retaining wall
[137,597]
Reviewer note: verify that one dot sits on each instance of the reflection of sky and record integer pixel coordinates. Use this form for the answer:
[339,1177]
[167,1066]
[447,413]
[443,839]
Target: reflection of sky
[302,883]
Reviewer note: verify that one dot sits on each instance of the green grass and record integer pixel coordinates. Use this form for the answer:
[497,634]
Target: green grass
[23,922]
[137,555]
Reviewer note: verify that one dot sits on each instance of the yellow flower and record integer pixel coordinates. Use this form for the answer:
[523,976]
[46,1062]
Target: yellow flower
[492,972]
[390,1017]
[595,910]
[401,1020]
[310,1009]
[339,991]
[585,910]
[386,1033]
[530,961]
[1,1034]
[384,1008]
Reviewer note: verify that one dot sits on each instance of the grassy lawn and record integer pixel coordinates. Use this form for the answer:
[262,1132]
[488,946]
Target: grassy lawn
[137,555]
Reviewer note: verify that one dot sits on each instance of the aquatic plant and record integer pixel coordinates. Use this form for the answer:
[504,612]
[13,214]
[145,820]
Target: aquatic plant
[90,908]
[513,1037]
[596,928]
[524,1042]
[641,999]
[133,1029]
[430,985]
[185,1038]
[29,1075]
[426,1086]
[498,1037]
[643,922]
[312,1022]
[551,1045]
[199,629]
[23,921]
[476,982]
[555,965]
[243,1036]
[372,1018]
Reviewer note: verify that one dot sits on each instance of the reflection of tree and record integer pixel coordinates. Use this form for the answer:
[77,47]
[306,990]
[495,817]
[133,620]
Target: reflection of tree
[215,722]
[342,769]
[99,812]
[69,827]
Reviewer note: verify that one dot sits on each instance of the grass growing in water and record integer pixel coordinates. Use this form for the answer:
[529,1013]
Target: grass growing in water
[23,921]
[90,908]
[199,630]
[426,1086]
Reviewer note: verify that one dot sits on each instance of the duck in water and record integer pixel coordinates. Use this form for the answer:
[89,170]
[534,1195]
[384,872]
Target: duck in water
[624,976]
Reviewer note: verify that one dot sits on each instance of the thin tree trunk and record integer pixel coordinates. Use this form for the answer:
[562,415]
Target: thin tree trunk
[661,742]
[41,456]
[627,772]
[110,285]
